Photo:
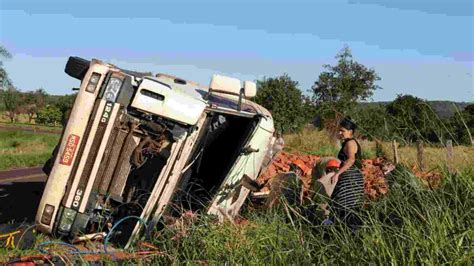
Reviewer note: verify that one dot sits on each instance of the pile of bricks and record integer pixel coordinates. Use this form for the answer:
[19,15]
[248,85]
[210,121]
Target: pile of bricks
[431,179]
[375,184]
[374,171]
[281,164]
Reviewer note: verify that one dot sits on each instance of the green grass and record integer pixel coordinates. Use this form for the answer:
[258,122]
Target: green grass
[24,149]
[311,142]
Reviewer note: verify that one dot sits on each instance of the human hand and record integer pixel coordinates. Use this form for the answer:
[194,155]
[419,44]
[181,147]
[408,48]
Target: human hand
[334,178]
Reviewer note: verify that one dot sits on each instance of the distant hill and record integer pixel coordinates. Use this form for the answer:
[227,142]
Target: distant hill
[444,109]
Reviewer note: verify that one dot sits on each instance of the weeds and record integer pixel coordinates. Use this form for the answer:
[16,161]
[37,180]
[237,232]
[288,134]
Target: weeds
[411,225]
[25,149]
[316,142]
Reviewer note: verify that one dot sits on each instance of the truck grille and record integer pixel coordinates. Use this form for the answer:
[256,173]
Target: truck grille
[123,168]
[111,158]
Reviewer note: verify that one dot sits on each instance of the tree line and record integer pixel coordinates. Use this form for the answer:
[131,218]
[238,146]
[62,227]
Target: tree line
[39,106]
[338,92]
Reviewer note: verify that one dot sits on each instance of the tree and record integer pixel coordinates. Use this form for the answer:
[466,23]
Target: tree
[49,115]
[12,100]
[64,104]
[413,119]
[462,124]
[34,101]
[281,96]
[340,87]
[372,121]
[4,80]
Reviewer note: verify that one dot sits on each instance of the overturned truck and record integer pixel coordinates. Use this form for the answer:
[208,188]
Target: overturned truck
[144,147]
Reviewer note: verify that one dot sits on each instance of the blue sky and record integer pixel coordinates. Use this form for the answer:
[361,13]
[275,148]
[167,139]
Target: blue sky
[419,47]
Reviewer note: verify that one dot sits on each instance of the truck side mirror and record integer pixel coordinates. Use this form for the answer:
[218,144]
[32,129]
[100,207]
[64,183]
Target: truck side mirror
[223,84]
[250,89]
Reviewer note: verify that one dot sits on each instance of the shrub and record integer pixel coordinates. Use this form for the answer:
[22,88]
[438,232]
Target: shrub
[49,115]
[280,95]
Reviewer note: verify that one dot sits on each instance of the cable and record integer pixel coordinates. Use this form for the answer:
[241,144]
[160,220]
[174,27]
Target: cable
[10,242]
[76,251]
[106,241]
[24,232]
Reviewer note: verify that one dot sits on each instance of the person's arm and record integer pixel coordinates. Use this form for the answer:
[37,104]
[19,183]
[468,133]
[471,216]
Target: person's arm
[350,150]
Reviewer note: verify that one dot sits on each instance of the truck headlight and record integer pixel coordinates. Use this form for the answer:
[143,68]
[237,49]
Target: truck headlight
[47,214]
[67,220]
[93,81]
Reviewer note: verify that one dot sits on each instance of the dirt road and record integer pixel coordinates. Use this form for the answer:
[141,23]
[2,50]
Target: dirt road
[20,193]
[8,127]
[33,174]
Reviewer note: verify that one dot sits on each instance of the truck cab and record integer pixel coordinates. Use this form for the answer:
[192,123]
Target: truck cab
[139,146]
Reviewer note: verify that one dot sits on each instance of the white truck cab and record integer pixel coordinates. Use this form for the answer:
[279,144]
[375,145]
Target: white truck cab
[139,146]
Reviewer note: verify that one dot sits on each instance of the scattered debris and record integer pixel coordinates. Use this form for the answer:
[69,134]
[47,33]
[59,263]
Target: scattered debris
[431,178]
[16,235]
[58,252]
[89,237]
[116,256]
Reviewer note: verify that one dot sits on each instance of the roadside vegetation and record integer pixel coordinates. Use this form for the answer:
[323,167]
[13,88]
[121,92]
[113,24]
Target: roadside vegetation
[411,225]
[321,142]
[25,149]
[32,107]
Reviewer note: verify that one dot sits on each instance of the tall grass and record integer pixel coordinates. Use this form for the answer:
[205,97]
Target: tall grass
[22,118]
[30,127]
[311,142]
[319,142]
[434,157]
[412,225]
[24,149]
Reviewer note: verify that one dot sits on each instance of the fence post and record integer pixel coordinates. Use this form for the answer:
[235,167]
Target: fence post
[419,152]
[395,152]
[450,155]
